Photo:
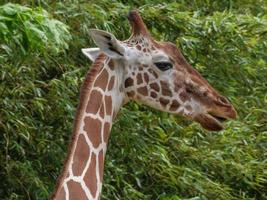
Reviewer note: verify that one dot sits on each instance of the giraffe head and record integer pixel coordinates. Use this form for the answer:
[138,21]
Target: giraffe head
[157,74]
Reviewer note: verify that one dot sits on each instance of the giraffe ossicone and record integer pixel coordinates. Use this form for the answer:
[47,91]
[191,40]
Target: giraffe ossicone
[140,69]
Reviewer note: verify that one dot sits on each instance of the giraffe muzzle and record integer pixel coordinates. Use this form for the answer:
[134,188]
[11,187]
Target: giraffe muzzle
[215,121]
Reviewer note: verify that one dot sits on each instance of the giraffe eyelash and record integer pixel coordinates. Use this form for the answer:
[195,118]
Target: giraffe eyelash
[163,66]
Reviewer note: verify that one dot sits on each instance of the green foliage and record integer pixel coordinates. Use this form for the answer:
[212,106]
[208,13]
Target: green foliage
[151,155]
[25,30]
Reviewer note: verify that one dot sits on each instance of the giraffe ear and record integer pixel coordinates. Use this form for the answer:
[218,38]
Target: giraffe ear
[107,43]
[91,53]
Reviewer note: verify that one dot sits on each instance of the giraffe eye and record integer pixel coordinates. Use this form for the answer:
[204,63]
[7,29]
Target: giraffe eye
[163,66]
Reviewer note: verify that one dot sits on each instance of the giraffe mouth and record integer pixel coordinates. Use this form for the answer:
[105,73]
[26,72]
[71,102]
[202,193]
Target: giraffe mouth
[219,118]
[211,122]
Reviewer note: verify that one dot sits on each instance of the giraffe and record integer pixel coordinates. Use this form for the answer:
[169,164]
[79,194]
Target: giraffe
[140,69]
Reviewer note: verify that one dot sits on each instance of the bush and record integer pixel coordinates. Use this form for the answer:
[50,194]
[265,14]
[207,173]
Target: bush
[151,155]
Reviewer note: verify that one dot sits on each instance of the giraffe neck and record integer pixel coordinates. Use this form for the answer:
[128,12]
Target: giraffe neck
[100,101]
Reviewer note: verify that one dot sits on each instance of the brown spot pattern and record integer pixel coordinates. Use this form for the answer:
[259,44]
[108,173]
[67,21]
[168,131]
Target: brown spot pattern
[184,97]
[90,176]
[111,83]
[154,86]
[61,194]
[76,191]
[143,91]
[139,79]
[102,80]
[188,107]
[144,66]
[164,102]
[108,103]
[165,89]
[175,105]
[101,164]
[94,102]
[93,130]
[106,131]
[153,94]
[177,87]
[81,155]
[102,111]
[153,73]
[111,64]
[146,77]
[129,82]
[131,93]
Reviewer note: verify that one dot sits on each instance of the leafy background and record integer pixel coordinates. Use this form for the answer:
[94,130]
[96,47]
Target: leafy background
[151,155]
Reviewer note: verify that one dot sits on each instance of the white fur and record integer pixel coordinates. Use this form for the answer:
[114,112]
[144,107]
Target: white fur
[91,53]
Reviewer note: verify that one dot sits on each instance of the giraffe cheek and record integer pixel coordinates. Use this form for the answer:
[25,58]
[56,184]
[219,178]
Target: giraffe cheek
[184,96]
[143,91]
[165,89]
[175,105]
[153,94]
[139,79]
[131,94]
[154,74]
[128,82]
[146,77]
[164,102]
[154,86]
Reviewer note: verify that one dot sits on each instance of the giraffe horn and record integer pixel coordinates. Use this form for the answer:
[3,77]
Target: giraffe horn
[138,26]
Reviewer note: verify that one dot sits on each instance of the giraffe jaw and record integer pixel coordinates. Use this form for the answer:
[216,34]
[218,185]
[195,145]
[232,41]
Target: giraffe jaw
[211,122]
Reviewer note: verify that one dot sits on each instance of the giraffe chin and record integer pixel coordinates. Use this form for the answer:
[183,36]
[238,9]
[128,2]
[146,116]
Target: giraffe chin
[210,122]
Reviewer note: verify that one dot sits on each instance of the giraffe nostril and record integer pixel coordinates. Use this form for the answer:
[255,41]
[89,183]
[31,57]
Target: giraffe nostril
[223,100]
